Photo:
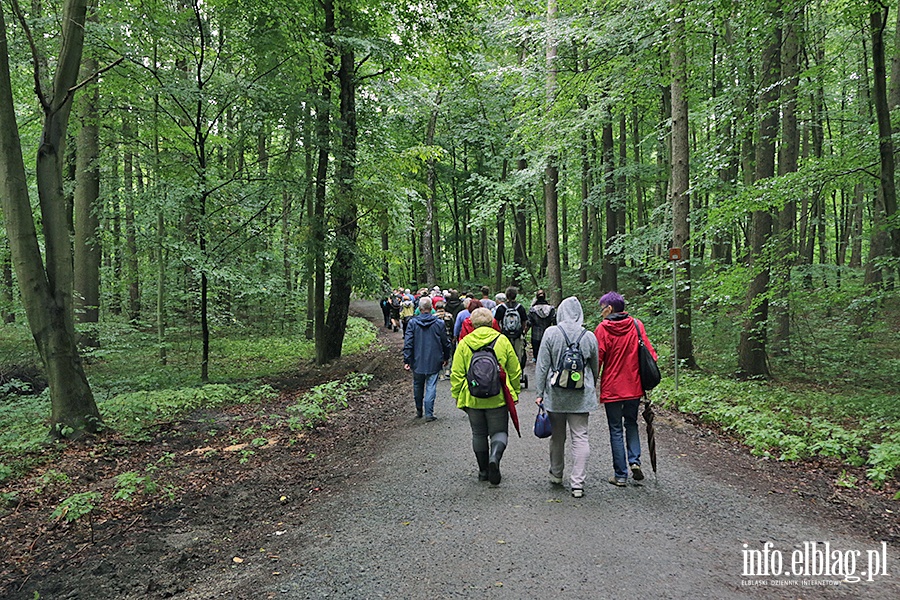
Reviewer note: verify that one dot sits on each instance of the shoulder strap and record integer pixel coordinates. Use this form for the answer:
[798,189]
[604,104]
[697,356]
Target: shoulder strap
[638,329]
[565,337]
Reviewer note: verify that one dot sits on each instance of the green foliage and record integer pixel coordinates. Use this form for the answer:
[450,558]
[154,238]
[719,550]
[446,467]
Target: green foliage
[49,479]
[134,413]
[130,483]
[775,422]
[76,506]
[313,408]
[884,457]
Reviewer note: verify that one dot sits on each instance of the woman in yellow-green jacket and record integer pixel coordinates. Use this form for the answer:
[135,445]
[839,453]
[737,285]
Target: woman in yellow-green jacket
[488,417]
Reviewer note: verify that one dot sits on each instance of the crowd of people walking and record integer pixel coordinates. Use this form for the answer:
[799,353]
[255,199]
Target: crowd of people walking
[479,343]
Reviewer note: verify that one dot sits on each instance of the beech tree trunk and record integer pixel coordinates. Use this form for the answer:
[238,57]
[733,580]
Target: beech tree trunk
[681,200]
[46,283]
[346,209]
[787,163]
[877,22]
[752,358]
[86,218]
[431,183]
[551,172]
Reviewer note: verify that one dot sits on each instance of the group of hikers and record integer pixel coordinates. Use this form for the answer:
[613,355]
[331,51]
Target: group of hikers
[482,343]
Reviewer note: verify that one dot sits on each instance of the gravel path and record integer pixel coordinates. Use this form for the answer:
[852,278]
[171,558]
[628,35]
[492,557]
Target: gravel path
[416,523]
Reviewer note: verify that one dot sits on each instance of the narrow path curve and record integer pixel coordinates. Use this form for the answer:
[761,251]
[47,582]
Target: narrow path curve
[416,523]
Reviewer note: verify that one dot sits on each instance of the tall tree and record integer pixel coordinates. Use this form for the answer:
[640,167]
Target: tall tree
[752,357]
[551,172]
[681,200]
[87,251]
[46,286]
[888,193]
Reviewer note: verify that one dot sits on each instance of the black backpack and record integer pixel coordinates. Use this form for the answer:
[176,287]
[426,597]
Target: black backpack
[569,373]
[483,375]
[511,326]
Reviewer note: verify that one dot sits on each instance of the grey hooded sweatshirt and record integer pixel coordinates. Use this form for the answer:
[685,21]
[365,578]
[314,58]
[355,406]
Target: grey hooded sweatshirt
[570,318]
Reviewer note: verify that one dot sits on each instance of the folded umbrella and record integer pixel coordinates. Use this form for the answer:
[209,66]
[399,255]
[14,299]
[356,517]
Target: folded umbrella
[510,403]
[651,435]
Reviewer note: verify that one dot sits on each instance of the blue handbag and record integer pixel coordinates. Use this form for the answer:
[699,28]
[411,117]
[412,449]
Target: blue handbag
[542,427]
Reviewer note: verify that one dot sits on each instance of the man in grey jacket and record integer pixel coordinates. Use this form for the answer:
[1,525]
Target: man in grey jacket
[568,408]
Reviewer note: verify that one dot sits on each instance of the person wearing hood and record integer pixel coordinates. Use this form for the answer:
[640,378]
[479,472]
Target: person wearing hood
[620,384]
[426,349]
[541,315]
[568,408]
[488,417]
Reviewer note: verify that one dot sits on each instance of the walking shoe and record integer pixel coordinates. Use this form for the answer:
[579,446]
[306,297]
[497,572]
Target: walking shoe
[555,480]
[636,472]
[430,419]
[418,414]
[577,493]
[617,482]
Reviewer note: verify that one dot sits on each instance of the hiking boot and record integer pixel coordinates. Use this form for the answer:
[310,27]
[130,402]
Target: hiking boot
[577,493]
[418,414]
[555,480]
[636,472]
[497,449]
[430,419]
[482,458]
[618,482]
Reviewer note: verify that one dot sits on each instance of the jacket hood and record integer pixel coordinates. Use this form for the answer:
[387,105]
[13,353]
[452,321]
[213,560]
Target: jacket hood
[479,337]
[427,319]
[542,310]
[618,323]
[570,312]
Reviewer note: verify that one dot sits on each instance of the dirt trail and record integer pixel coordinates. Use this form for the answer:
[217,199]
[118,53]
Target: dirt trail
[402,515]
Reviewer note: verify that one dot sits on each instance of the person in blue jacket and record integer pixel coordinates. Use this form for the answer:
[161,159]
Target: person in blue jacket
[426,349]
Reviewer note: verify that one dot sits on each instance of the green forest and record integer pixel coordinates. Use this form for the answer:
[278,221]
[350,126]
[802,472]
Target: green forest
[193,193]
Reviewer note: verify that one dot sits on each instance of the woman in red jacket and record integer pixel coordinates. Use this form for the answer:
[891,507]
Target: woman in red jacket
[620,384]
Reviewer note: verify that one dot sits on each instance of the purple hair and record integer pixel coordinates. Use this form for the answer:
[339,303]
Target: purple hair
[613,299]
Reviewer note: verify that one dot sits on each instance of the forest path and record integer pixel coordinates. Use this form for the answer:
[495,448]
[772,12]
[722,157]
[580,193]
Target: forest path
[416,523]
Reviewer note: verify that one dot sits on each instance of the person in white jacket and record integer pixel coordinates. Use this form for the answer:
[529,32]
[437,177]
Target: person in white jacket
[568,408]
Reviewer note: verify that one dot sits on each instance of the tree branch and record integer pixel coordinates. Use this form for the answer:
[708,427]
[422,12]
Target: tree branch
[35,59]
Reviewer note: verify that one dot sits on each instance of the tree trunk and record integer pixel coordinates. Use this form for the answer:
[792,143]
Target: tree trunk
[520,256]
[681,200]
[131,252]
[317,223]
[7,296]
[346,209]
[787,163]
[551,172]
[86,207]
[585,256]
[877,22]
[46,290]
[431,183]
[501,232]
[752,360]
[610,279]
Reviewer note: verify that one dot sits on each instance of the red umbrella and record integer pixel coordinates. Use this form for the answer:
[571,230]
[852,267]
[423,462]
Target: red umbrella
[510,403]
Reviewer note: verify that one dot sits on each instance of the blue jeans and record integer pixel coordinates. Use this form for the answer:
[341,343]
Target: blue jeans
[425,391]
[616,413]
